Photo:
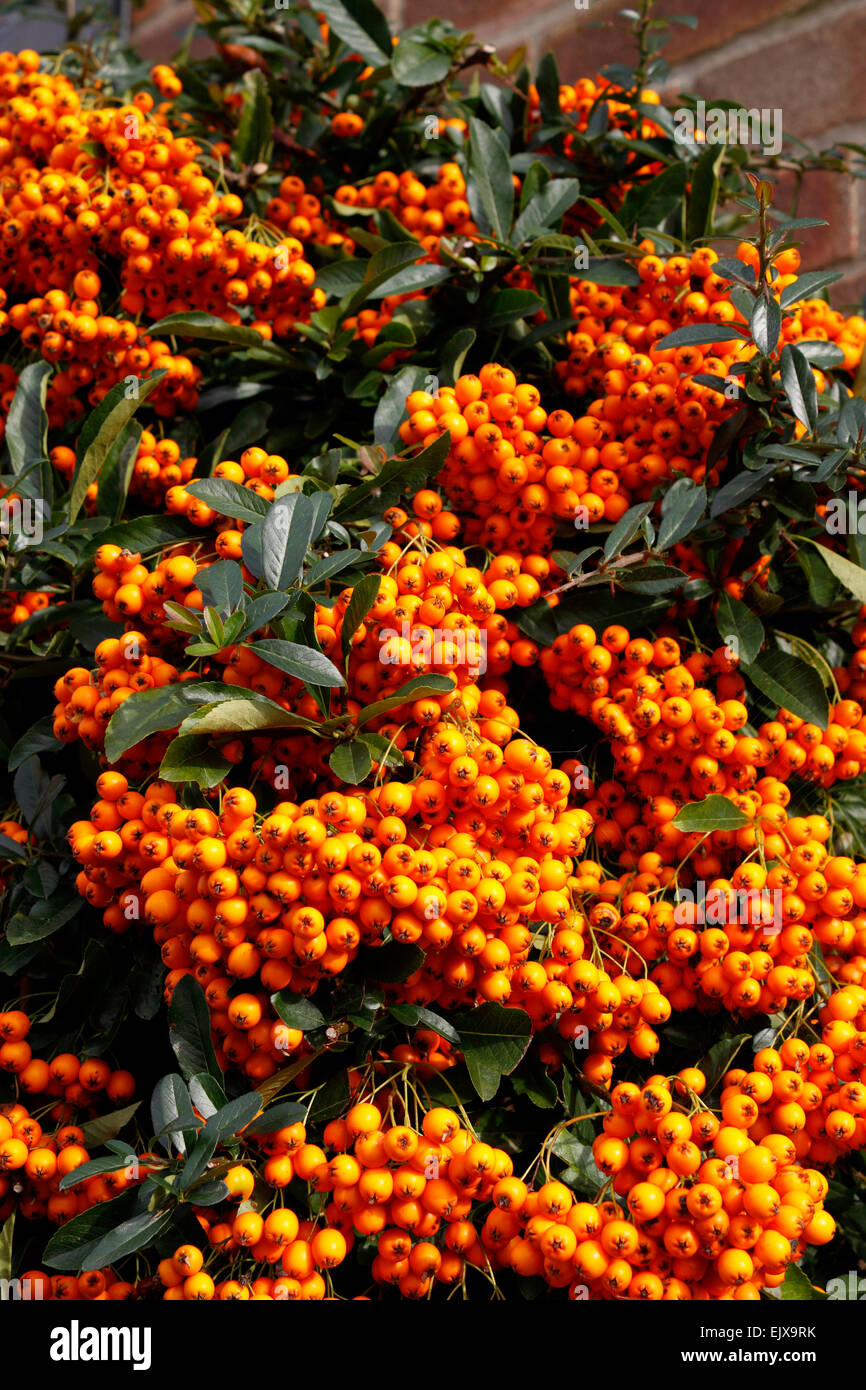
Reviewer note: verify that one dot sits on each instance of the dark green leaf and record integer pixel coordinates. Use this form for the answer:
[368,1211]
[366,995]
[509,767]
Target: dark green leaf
[71,1245]
[193,758]
[790,684]
[364,595]
[799,386]
[351,762]
[683,506]
[100,431]
[253,139]
[229,499]
[493,1040]
[766,324]
[27,425]
[286,536]
[148,712]
[490,172]
[807,286]
[623,531]
[296,1011]
[734,619]
[106,1127]
[222,586]
[303,663]
[189,1030]
[417,64]
[363,26]
[172,1113]
[701,206]
[279,1116]
[196,324]
[545,209]
[417,688]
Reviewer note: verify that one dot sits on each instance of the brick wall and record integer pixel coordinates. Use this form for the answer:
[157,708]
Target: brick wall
[804,57]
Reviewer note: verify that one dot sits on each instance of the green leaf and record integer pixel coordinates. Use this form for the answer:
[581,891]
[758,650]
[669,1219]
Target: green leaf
[332,565]
[381,267]
[206,1094]
[766,324]
[286,536]
[414,1016]
[303,663]
[713,813]
[391,410]
[222,586]
[651,579]
[192,758]
[698,333]
[721,1057]
[252,142]
[808,285]
[734,619]
[797,1287]
[56,912]
[229,499]
[100,431]
[418,688]
[189,1030]
[296,1011]
[510,305]
[739,489]
[545,210]
[612,270]
[851,576]
[148,712]
[172,1113]
[364,595]
[261,610]
[362,25]
[128,1237]
[39,738]
[790,684]
[417,64]
[106,1127]
[242,714]
[286,1112]
[117,471]
[234,1116]
[144,534]
[683,506]
[493,1040]
[27,424]
[799,386]
[491,175]
[398,475]
[701,206]
[351,762]
[624,530]
[650,204]
[71,1245]
[109,1163]
[391,964]
[196,324]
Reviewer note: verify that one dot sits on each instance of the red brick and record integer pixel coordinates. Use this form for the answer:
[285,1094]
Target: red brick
[814,76]
[581,51]
[718,24]
[480,16]
[849,293]
[159,35]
